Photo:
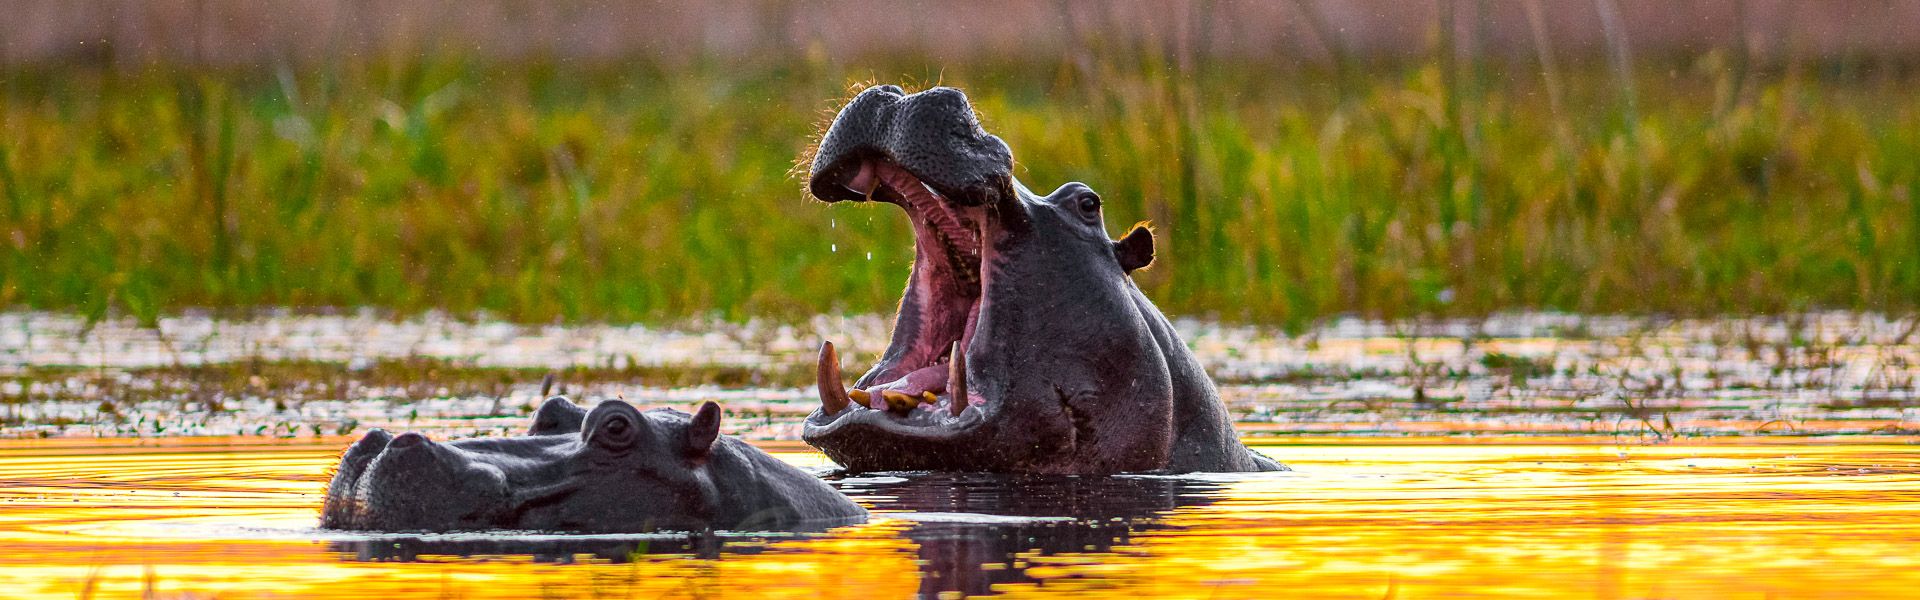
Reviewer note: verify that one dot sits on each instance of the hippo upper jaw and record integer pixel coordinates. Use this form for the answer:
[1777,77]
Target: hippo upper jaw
[410,483]
[932,134]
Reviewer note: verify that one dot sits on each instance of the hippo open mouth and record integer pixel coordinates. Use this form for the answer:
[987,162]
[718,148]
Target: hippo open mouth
[927,154]
[925,369]
[1021,343]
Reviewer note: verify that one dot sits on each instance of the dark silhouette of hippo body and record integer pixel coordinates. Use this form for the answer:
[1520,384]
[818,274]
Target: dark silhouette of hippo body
[1021,343]
[615,469]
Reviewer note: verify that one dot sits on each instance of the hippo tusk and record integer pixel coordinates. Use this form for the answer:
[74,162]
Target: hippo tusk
[833,395]
[957,380]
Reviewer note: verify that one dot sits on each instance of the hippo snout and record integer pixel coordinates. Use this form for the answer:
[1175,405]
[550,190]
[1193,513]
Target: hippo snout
[407,440]
[934,135]
[408,482]
[342,504]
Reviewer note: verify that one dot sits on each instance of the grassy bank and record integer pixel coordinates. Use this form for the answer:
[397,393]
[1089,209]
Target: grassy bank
[637,193]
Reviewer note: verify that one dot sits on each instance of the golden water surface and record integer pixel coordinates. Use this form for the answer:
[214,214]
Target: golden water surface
[1802,518]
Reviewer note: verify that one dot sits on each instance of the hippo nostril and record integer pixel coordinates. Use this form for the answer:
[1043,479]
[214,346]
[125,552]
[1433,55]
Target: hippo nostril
[373,441]
[407,440]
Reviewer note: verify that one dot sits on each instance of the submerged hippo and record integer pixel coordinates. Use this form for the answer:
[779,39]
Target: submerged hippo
[614,469]
[1021,344]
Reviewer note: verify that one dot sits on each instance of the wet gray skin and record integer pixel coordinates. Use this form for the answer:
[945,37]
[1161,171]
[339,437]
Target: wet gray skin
[1021,343]
[615,469]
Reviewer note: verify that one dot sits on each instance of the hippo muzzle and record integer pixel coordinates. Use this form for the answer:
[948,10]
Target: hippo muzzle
[933,137]
[409,482]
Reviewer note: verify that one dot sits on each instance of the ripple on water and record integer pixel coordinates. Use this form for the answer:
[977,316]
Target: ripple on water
[1426,520]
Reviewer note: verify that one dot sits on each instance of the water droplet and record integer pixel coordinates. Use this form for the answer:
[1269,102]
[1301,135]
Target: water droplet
[869,255]
[833,247]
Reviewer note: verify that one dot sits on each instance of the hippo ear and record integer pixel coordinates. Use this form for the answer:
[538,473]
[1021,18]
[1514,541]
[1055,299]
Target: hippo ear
[556,416]
[1135,250]
[704,429]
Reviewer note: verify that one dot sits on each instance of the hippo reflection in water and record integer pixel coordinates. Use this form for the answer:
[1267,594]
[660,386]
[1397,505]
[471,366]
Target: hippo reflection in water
[614,469]
[969,532]
[1022,343]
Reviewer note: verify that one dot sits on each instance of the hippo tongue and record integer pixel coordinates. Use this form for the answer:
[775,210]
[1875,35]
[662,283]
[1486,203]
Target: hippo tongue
[931,378]
[920,388]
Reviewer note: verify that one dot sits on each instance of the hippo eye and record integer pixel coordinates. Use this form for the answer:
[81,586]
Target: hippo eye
[615,434]
[1089,205]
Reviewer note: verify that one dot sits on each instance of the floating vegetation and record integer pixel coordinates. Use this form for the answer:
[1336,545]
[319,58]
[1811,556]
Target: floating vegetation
[314,375]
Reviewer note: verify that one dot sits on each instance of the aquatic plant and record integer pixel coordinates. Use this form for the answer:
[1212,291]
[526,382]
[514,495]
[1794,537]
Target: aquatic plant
[640,193]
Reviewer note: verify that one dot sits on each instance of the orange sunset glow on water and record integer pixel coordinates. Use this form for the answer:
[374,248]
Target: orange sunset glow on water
[776,299]
[1795,518]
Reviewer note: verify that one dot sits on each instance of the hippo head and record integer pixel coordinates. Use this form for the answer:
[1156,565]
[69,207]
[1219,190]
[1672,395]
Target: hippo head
[614,469]
[632,470]
[1021,343]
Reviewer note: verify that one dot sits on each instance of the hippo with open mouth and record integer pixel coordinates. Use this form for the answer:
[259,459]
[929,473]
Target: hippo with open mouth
[1021,343]
[615,469]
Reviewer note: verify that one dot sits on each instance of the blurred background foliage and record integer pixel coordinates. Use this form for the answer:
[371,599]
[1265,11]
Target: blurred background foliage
[1439,158]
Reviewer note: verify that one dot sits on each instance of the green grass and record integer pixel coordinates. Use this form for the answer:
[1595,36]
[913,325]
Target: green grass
[541,192]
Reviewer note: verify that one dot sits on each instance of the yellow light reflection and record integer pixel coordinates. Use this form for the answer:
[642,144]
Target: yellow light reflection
[1779,519]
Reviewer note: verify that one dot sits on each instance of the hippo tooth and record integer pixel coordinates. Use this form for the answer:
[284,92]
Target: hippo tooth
[897,400]
[833,395]
[861,397]
[957,381]
[864,182]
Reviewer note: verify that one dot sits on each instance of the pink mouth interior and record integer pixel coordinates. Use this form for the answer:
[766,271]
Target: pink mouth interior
[948,281]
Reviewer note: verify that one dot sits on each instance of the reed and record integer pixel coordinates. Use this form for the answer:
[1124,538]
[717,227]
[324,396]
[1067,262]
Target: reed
[592,192]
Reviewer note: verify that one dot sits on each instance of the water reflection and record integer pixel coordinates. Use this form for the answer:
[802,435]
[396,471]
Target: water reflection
[1077,497]
[1814,517]
[972,532]
[541,548]
[963,548]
